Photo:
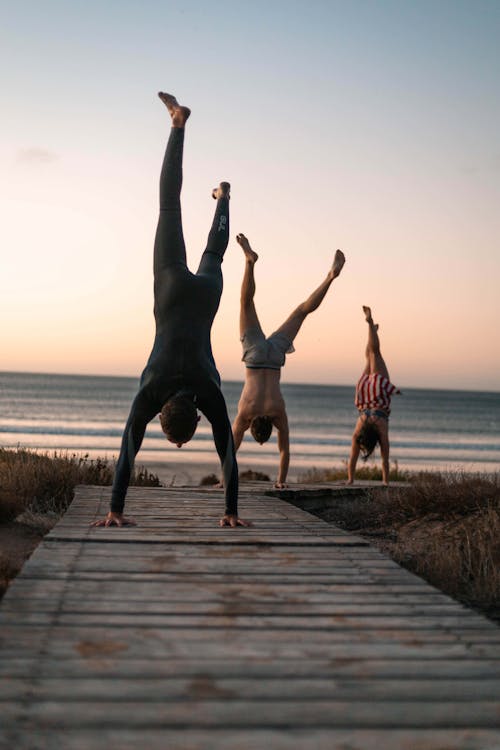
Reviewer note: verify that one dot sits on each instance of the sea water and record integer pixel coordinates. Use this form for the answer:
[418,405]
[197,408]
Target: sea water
[429,429]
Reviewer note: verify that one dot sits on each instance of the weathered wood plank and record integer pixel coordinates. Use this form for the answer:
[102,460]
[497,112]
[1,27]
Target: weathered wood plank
[272,688]
[216,713]
[83,738]
[228,618]
[230,605]
[100,662]
[140,642]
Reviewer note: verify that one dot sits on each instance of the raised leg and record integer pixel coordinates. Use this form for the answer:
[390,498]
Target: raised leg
[248,313]
[374,360]
[218,237]
[169,245]
[292,324]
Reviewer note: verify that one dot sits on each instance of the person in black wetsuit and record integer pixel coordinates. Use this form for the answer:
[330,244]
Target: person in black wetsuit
[180,375]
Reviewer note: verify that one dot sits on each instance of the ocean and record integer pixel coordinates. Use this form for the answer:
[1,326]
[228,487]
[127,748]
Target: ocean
[429,429]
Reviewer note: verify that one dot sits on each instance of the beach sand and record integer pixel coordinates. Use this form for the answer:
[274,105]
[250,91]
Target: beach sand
[180,473]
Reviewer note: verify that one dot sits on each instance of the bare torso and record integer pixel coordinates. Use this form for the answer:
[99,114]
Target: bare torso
[261,395]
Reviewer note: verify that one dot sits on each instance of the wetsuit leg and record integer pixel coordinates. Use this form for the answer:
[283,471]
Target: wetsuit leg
[217,242]
[169,240]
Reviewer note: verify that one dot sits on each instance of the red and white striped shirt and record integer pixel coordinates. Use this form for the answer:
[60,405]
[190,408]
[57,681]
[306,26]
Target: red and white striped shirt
[374,391]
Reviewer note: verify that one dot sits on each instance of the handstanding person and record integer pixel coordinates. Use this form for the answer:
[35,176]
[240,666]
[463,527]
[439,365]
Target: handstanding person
[180,375]
[261,404]
[373,401]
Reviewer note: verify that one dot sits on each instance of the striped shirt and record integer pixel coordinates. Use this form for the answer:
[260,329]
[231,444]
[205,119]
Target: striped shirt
[374,391]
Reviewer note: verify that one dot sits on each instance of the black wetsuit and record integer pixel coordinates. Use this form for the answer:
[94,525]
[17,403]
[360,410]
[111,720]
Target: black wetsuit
[184,309]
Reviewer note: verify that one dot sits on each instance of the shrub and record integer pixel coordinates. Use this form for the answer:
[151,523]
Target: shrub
[339,473]
[43,483]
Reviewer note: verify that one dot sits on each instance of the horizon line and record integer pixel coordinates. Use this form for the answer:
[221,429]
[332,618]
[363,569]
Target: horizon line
[230,380]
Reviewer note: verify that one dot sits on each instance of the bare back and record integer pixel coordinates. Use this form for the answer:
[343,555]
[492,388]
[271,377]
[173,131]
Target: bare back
[261,395]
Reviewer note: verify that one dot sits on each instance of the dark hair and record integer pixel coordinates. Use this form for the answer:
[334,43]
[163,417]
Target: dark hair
[261,428]
[179,418]
[367,439]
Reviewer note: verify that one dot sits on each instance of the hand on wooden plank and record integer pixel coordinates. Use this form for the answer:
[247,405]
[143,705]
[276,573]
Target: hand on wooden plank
[115,519]
[233,521]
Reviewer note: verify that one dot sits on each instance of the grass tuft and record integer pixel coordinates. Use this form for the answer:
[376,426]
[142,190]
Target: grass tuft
[44,483]
[339,473]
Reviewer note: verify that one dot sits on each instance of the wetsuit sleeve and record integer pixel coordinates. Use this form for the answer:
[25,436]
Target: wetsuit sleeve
[141,412]
[215,410]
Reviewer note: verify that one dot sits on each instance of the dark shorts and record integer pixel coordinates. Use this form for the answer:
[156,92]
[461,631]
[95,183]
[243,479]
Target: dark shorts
[262,353]
[374,413]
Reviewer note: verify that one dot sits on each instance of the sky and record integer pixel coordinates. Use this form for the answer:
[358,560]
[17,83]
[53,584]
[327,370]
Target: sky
[368,126]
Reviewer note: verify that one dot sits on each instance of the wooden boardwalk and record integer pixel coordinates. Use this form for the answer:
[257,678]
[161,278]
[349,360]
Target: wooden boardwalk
[177,634]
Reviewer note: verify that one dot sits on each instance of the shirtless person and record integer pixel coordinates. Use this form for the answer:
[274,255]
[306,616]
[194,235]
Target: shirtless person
[180,375]
[373,401]
[261,404]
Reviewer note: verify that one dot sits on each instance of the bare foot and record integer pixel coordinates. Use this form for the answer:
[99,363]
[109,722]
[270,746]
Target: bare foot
[338,264]
[222,191]
[368,314]
[178,113]
[250,255]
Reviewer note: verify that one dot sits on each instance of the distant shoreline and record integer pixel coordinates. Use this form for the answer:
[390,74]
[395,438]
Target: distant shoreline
[285,383]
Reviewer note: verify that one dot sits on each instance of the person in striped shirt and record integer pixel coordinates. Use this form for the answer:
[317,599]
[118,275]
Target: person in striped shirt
[373,401]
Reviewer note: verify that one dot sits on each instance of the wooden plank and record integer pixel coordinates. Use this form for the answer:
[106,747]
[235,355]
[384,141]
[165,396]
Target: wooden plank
[272,688]
[216,713]
[83,738]
[311,624]
[211,588]
[196,606]
[100,662]
[60,642]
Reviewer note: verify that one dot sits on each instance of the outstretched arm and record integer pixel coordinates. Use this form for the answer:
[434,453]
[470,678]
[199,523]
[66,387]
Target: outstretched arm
[141,412]
[214,408]
[384,452]
[353,459]
[281,425]
[240,426]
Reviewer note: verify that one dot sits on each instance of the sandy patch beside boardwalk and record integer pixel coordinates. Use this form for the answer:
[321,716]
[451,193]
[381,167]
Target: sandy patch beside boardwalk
[180,473]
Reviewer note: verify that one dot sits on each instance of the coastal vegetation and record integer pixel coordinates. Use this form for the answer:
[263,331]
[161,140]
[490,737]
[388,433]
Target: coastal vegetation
[43,483]
[443,526]
[35,490]
[371,473]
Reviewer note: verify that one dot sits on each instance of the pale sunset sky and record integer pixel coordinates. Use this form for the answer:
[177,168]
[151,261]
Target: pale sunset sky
[369,126]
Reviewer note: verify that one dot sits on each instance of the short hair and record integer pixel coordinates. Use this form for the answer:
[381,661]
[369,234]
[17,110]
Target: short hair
[261,428]
[367,439]
[179,418]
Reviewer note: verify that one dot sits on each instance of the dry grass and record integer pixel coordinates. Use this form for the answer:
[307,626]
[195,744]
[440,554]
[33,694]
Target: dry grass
[448,532]
[338,473]
[43,483]
[445,527]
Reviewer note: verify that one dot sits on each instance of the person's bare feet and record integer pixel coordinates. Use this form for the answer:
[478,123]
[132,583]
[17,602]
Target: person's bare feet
[338,264]
[178,113]
[250,254]
[368,314]
[222,191]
